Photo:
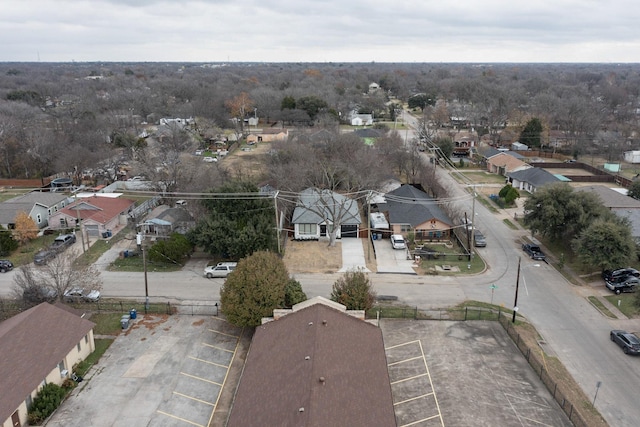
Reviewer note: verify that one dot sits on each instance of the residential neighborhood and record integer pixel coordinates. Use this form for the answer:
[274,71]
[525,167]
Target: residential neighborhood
[390,241]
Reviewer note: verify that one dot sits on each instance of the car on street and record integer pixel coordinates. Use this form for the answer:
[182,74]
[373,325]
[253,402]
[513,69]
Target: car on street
[627,285]
[44,256]
[397,242]
[533,251]
[222,269]
[479,240]
[629,343]
[79,294]
[5,265]
[620,274]
[210,159]
[63,242]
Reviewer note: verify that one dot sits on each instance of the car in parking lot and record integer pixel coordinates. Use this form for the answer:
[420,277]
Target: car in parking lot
[628,284]
[62,242]
[44,256]
[397,242]
[5,265]
[79,294]
[533,251]
[629,343]
[222,269]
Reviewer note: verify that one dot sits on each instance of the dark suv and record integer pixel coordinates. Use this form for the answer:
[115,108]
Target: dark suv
[628,284]
[5,265]
[619,274]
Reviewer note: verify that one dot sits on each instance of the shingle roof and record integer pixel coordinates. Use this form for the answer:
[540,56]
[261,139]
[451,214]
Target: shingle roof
[611,198]
[534,176]
[10,208]
[32,343]
[315,367]
[99,209]
[312,201]
[408,205]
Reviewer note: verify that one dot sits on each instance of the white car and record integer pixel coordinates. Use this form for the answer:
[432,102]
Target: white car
[77,294]
[397,242]
[210,159]
[222,269]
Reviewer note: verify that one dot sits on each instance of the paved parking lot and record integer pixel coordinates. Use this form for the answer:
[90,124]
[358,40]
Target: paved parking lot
[164,371]
[463,374]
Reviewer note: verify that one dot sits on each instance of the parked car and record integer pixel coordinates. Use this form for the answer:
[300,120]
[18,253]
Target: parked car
[79,294]
[533,251]
[397,242]
[466,221]
[478,239]
[43,257]
[629,343]
[222,269]
[5,265]
[620,274]
[627,285]
[210,159]
[62,242]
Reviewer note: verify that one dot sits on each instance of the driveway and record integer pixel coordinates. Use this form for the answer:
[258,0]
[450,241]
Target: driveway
[389,260]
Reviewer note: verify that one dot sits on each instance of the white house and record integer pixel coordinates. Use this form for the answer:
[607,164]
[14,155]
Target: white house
[316,209]
[632,156]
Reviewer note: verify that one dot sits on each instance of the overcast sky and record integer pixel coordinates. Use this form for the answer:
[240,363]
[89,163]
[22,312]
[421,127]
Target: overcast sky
[320,30]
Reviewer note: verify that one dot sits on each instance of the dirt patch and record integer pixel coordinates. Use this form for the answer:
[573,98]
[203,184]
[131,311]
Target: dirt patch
[247,163]
[312,256]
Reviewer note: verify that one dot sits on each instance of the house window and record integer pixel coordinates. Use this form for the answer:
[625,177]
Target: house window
[63,222]
[308,229]
[61,368]
[405,228]
[38,218]
[86,339]
[28,402]
[49,211]
[79,347]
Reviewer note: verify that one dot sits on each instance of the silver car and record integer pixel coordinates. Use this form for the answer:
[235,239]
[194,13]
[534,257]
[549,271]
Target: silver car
[222,269]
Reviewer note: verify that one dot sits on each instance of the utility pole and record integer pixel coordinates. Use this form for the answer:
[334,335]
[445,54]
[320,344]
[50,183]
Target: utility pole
[140,238]
[515,303]
[275,204]
[79,223]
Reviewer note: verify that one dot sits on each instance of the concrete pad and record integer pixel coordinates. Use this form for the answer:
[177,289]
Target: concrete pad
[352,255]
[463,373]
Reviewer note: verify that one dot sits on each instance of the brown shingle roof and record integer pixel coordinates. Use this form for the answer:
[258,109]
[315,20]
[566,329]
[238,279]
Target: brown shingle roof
[32,343]
[99,209]
[315,367]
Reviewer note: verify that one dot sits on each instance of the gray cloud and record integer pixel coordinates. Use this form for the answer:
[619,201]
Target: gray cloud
[314,30]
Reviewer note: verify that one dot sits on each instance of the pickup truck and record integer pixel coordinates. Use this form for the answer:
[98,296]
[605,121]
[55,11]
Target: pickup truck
[533,251]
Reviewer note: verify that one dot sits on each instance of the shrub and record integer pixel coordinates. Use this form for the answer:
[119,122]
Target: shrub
[47,401]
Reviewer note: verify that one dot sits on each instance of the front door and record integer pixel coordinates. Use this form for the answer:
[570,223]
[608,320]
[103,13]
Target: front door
[323,230]
[15,419]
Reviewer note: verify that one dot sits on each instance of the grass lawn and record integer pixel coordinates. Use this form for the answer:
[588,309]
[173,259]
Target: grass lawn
[628,304]
[106,323]
[452,258]
[135,264]
[101,347]
[10,193]
[24,254]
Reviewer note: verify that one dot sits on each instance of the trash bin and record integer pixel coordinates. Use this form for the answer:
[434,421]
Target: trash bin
[125,254]
[374,236]
[109,234]
[104,235]
[133,314]
[124,323]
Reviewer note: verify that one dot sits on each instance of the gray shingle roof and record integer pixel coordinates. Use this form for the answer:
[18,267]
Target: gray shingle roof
[534,176]
[328,203]
[408,205]
[10,208]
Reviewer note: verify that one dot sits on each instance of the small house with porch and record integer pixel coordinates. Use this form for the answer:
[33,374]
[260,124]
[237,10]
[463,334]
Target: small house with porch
[317,209]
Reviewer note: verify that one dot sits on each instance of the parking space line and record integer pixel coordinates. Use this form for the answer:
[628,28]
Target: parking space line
[408,379]
[435,397]
[208,362]
[193,398]
[218,348]
[419,421]
[404,361]
[200,378]
[413,398]
[222,333]
[225,376]
[401,345]
[180,419]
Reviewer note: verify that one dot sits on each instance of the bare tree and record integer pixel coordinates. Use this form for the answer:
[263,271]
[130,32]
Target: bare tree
[51,281]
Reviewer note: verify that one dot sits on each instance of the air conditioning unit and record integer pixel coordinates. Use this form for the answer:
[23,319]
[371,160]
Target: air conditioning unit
[64,373]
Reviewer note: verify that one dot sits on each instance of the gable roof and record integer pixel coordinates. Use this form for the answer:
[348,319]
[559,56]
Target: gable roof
[409,205]
[10,208]
[33,343]
[508,161]
[368,133]
[316,366]
[314,201]
[611,198]
[534,176]
[99,209]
